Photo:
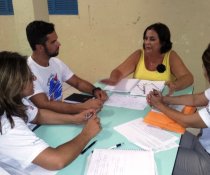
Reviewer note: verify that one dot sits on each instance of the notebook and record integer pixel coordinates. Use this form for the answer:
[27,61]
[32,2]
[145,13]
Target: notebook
[125,85]
[77,98]
[136,86]
[121,162]
[143,87]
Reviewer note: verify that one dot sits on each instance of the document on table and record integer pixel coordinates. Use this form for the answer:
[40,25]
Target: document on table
[136,86]
[121,162]
[176,107]
[126,101]
[146,136]
[125,85]
[143,87]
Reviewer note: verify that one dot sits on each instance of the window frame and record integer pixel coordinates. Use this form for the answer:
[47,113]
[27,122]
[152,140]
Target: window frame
[6,7]
[59,7]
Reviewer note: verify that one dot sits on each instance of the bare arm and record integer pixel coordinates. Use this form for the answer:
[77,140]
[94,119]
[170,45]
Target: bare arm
[59,157]
[41,101]
[191,120]
[184,78]
[45,116]
[85,86]
[124,69]
[190,100]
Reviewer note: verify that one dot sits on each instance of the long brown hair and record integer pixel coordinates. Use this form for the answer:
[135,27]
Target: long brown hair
[14,74]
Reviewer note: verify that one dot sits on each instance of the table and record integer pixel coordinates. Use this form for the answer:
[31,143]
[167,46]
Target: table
[110,117]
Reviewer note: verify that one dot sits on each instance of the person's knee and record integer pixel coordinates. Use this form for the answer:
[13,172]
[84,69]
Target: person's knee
[205,166]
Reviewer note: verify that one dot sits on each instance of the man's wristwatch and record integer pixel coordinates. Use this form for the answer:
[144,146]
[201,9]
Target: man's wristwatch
[95,89]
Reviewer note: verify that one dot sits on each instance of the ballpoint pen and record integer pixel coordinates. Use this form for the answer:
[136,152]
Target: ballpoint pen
[144,88]
[88,147]
[116,146]
[89,115]
[141,88]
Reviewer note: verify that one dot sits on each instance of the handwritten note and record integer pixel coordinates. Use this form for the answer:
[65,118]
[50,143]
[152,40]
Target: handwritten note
[121,162]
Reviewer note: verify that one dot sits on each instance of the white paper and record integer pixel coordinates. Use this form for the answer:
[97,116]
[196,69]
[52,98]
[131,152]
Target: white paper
[145,86]
[121,162]
[176,107]
[125,85]
[146,136]
[127,101]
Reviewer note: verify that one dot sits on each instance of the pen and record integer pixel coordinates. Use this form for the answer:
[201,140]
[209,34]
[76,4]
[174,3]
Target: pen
[141,88]
[144,88]
[89,115]
[116,146]
[88,147]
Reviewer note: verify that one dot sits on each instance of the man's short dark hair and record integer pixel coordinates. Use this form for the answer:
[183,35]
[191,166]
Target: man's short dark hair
[37,32]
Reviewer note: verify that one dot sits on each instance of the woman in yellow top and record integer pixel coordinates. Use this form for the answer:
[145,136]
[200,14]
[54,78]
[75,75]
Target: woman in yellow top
[157,61]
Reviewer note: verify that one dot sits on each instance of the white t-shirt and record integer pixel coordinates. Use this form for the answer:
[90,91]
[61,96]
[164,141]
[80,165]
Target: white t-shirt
[50,79]
[19,146]
[205,116]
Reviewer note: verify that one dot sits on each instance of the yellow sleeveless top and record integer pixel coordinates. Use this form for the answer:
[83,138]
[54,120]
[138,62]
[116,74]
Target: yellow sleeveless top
[142,73]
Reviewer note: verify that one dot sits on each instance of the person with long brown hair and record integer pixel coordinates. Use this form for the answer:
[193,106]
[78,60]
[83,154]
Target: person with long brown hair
[19,146]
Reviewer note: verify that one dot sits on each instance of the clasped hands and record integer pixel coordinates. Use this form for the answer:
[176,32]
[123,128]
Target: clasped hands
[154,98]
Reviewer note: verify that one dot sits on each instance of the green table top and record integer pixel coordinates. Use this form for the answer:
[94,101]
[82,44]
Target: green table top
[110,117]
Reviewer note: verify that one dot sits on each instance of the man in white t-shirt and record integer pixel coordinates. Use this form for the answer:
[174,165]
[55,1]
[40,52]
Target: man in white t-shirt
[52,72]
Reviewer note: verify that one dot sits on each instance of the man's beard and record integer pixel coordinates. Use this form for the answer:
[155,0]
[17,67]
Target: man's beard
[50,54]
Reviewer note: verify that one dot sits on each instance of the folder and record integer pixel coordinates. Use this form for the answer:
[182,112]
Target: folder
[161,120]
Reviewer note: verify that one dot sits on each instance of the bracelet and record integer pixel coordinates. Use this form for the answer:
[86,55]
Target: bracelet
[95,89]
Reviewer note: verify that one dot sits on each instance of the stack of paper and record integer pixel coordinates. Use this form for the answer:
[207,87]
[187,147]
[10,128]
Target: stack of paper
[136,86]
[125,85]
[127,101]
[121,162]
[145,86]
[147,136]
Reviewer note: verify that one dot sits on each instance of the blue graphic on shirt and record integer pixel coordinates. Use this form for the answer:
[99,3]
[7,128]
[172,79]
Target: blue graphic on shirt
[55,89]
